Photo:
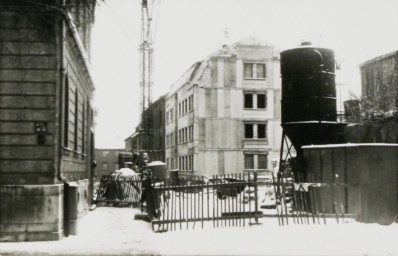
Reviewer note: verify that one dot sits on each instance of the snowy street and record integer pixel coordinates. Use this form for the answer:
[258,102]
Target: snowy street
[113,231]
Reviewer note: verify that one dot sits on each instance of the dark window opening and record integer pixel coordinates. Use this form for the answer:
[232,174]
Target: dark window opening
[249,131]
[248,100]
[76,118]
[262,131]
[66,112]
[261,101]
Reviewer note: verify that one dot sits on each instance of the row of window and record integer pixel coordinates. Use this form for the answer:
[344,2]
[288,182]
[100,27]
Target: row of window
[184,163]
[255,100]
[255,130]
[185,106]
[254,71]
[170,115]
[76,109]
[185,134]
[170,140]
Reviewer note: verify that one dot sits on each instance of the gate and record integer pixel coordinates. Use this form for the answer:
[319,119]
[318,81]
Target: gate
[119,190]
[301,200]
[223,200]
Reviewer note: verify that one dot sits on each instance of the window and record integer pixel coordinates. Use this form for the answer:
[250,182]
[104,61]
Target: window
[105,154]
[116,166]
[262,161]
[255,131]
[262,131]
[66,112]
[255,100]
[117,153]
[261,100]
[249,161]
[260,70]
[254,71]
[76,119]
[256,161]
[248,100]
[190,100]
[190,133]
[84,127]
[248,70]
[249,131]
[104,166]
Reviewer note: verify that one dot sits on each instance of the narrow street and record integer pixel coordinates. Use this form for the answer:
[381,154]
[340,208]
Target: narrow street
[113,231]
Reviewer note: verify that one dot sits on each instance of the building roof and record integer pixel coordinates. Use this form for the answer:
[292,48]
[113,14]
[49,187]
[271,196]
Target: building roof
[195,72]
[381,57]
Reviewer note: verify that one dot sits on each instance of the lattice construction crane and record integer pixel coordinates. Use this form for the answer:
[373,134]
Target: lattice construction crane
[146,61]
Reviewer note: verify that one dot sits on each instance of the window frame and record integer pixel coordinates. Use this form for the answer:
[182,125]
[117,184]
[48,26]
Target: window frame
[254,75]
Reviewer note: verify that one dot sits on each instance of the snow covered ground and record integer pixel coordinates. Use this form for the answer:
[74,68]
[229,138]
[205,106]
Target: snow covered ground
[113,231]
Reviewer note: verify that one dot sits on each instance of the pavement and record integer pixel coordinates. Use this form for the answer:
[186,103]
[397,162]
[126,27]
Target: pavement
[113,231]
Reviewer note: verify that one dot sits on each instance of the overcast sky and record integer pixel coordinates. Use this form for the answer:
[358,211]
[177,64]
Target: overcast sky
[189,30]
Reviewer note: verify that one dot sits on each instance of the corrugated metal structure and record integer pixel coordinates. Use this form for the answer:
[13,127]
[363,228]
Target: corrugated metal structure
[368,174]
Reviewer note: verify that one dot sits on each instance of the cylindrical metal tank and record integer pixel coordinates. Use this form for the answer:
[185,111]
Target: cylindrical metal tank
[308,84]
[309,113]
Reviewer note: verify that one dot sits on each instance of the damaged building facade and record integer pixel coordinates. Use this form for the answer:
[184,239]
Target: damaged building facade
[379,78]
[223,115]
[46,124]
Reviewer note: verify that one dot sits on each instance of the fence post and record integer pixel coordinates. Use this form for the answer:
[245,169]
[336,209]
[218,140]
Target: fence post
[255,196]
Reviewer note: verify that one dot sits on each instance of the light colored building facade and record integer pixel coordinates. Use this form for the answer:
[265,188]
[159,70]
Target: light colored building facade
[223,115]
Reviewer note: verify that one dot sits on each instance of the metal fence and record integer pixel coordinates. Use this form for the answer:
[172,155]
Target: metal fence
[302,200]
[223,200]
[119,190]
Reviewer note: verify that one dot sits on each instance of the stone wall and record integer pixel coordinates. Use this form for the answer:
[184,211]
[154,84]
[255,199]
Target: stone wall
[38,215]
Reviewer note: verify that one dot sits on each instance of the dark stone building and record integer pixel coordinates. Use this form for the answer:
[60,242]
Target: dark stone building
[149,136]
[107,161]
[380,82]
[46,117]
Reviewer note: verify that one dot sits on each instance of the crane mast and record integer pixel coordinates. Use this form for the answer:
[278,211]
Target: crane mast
[145,63]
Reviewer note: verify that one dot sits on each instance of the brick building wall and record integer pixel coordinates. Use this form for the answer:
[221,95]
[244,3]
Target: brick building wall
[107,161]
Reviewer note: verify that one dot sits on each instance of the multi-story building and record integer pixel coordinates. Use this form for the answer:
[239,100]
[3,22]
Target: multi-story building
[107,161]
[46,118]
[149,136]
[223,115]
[380,82]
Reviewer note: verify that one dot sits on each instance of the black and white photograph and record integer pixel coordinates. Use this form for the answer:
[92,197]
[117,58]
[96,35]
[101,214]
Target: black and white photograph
[198,127]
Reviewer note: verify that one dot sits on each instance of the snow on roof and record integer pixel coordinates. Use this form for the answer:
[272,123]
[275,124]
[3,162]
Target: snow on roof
[345,145]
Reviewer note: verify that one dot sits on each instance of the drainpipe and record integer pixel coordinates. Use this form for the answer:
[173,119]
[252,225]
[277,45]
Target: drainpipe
[60,34]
